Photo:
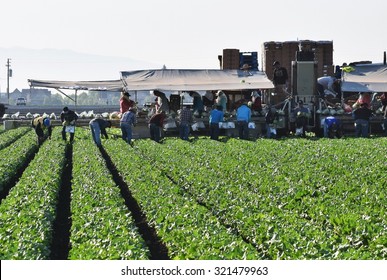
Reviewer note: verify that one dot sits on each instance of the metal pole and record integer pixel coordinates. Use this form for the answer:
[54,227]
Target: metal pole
[76,101]
[8,65]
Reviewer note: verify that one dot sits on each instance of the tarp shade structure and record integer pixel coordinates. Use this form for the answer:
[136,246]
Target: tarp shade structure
[365,78]
[110,85]
[195,80]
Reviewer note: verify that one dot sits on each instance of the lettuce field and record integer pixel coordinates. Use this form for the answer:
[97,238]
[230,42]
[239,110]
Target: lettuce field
[289,199]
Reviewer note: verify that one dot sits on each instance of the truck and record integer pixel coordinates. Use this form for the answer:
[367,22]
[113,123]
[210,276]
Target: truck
[356,79]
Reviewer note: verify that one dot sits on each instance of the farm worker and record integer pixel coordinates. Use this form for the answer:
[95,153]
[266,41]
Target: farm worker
[40,124]
[271,118]
[162,103]
[125,102]
[362,117]
[328,89]
[156,122]
[256,99]
[197,105]
[128,119]
[383,100]
[208,100]
[98,127]
[280,81]
[68,119]
[185,121]
[216,116]
[302,115]
[364,97]
[243,115]
[332,127]
[221,100]
[327,85]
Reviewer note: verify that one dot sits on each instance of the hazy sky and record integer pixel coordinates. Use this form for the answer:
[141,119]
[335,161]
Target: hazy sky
[177,33]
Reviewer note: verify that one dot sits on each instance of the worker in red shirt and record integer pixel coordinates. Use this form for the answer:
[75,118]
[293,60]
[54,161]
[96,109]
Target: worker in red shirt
[156,123]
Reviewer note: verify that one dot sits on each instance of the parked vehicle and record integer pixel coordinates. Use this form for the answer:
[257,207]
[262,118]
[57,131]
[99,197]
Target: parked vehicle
[21,101]
[2,109]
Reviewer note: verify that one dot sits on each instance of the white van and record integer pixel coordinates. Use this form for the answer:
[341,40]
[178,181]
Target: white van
[21,101]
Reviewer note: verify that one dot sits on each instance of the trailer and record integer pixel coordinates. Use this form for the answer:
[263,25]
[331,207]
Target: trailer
[356,79]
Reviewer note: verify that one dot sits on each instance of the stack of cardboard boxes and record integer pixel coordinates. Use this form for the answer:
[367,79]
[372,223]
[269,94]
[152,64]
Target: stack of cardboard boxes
[229,59]
[286,53]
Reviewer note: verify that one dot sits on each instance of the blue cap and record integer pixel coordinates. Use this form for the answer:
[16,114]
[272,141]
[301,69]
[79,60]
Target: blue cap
[46,122]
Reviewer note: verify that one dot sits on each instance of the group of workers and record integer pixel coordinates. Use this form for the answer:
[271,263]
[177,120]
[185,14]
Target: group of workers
[42,123]
[328,89]
[332,127]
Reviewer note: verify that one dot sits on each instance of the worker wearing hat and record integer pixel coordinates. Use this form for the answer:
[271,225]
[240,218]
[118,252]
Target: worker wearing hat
[40,124]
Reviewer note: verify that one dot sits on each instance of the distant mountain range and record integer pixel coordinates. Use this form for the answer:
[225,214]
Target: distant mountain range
[67,65]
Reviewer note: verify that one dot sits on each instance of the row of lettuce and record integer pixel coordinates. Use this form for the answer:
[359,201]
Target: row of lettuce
[185,226]
[102,227]
[291,199]
[27,213]
[288,199]
[16,146]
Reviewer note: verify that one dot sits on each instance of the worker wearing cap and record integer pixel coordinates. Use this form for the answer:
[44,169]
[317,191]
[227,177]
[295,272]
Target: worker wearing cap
[40,124]
[125,102]
[332,127]
[68,118]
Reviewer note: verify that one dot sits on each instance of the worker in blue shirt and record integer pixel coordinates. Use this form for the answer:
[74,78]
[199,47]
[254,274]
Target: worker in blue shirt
[243,117]
[216,116]
[332,127]
[98,128]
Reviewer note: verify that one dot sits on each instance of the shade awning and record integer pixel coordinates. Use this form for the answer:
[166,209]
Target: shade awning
[365,78]
[109,85]
[194,80]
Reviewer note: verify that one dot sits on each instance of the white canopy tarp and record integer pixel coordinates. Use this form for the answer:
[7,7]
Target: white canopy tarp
[109,85]
[194,80]
[365,78]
